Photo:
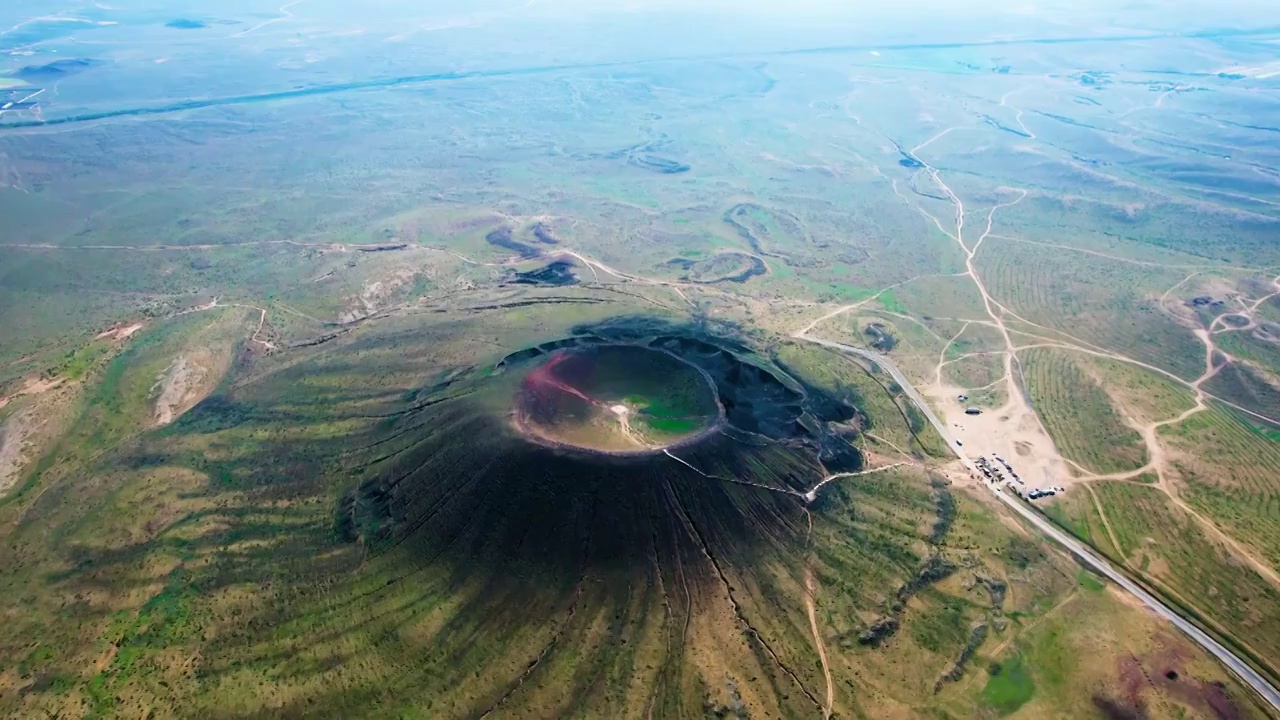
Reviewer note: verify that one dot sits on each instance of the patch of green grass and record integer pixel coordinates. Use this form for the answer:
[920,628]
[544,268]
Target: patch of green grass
[1009,686]
[57,684]
[1268,433]
[79,362]
[664,415]
[1089,581]
[1022,553]
[162,622]
[942,626]
[35,660]
[838,291]
[891,303]
[672,426]
[1079,415]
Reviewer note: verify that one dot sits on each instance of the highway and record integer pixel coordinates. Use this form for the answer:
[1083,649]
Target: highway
[1241,669]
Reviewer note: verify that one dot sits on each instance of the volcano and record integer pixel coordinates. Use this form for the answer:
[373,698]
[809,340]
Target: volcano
[619,475]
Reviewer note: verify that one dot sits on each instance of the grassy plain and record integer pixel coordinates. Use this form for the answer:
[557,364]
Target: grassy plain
[1227,466]
[198,525]
[1163,545]
[1079,414]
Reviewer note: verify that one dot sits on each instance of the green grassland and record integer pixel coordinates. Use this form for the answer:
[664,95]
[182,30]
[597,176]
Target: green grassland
[243,560]
[945,296]
[1109,304]
[975,338]
[1079,514]
[1227,467]
[1009,686]
[1078,413]
[212,538]
[1163,545]
[975,371]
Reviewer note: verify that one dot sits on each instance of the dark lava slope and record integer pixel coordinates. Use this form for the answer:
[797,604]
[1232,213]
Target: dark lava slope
[391,543]
[461,479]
[624,555]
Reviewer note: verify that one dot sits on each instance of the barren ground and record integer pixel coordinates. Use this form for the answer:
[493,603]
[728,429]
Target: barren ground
[13,439]
[180,388]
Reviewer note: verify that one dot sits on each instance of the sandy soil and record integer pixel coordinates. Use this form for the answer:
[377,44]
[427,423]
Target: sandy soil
[1013,432]
[120,333]
[810,589]
[180,388]
[33,386]
[13,440]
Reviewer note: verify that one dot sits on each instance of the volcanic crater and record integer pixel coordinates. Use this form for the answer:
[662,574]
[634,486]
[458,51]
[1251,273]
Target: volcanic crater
[576,451]
[618,400]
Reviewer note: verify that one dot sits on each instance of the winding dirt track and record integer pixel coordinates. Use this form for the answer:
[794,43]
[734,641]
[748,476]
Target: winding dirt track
[1018,405]
[1241,669]
[1018,408]
[810,589]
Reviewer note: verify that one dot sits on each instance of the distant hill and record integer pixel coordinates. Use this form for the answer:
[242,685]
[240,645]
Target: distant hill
[55,70]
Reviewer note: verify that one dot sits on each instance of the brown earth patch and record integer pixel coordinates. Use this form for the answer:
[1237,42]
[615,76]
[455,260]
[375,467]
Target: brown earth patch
[375,295]
[1158,567]
[1164,672]
[35,386]
[13,440]
[105,661]
[119,333]
[180,388]
[1115,710]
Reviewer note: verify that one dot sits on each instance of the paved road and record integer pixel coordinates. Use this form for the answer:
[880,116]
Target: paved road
[1238,666]
[1242,669]
[903,383]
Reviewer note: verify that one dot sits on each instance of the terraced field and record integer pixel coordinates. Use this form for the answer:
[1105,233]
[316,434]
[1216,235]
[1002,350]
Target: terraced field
[1108,304]
[1140,394]
[1227,468]
[1246,345]
[1160,542]
[1079,414]
[1253,389]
